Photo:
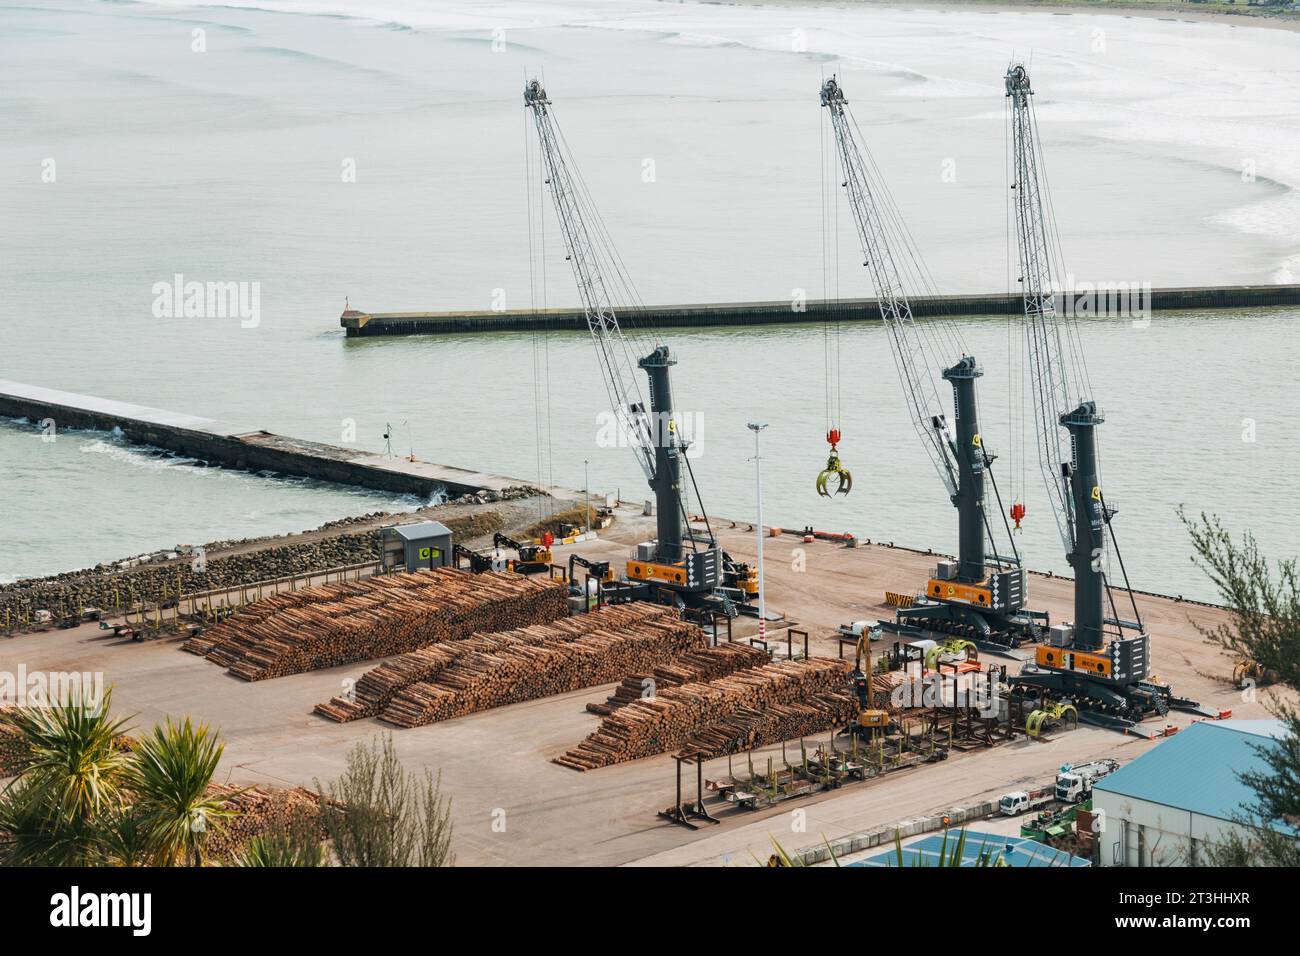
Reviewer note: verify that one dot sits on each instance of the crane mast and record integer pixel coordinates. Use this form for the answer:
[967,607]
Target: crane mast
[969,598]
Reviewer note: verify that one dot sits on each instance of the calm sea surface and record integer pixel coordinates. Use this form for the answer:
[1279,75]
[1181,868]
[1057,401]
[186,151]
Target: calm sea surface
[1173,150]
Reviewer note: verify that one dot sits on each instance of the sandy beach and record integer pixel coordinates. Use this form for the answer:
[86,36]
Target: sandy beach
[1236,15]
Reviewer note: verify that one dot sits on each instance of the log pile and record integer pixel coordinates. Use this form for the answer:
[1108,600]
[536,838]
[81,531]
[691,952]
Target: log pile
[749,727]
[340,623]
[883,687]
[682,717]
[377,687]
[13,751]
[705,664]
[258,810]
[521,672]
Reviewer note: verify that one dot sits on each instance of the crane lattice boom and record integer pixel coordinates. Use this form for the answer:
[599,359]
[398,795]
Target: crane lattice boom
[616,361]
[1048,376]
[910,354]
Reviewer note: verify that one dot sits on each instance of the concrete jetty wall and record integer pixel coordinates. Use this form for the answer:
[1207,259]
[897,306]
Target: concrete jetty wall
[357,323]
[233,446]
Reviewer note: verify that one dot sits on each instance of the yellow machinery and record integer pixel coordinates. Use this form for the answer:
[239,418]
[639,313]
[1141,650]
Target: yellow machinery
[533,557]
[872,721]
[1048,715]
[955,652]
[1253,672]
[834,470]
[745,578]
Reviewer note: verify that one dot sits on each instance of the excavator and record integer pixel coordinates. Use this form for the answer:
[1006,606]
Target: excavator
[980,597]
[872,721]
[534,557]
[681,566]
[1100,662]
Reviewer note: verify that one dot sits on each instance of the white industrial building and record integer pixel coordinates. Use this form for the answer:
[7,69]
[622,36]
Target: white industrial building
[1165,806]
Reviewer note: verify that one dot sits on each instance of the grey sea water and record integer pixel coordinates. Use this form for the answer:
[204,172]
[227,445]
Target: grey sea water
[1174,152]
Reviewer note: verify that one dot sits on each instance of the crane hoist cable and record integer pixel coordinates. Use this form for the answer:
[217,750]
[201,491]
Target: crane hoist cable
[602,279]
[831,361]
[540,337]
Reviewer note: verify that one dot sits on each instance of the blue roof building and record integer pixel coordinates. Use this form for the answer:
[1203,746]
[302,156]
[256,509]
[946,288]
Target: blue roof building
[1164,807]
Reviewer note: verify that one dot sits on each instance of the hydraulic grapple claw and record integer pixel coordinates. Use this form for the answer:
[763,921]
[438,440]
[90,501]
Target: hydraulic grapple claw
[834,468]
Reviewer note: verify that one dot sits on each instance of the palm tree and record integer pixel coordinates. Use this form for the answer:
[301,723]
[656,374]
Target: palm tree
[169,780]
[73,781]
[124,839]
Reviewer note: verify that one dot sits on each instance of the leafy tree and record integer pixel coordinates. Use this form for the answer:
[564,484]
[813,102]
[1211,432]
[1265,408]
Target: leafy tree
[1263,601]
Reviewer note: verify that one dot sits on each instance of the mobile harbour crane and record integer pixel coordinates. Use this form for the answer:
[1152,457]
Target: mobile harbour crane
[1100,662]
[680,565]
[973,598]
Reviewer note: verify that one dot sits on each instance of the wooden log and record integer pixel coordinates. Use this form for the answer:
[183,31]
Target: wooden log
[675,717]
[376,617]
[750,727]
[13,750]
[520,672]
[704,664]
[258,810]
[375,689]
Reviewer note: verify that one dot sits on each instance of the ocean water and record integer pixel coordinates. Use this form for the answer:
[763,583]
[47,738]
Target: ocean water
[1173,150]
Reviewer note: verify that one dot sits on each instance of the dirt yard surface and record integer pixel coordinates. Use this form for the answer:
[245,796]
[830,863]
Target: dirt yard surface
[513,806]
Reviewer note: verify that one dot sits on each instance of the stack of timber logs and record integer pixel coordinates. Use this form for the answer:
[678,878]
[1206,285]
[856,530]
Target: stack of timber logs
[521,672]
[682,717]
[884,686]
[376,617]
[378,686]
[258,811]
[702,665]
[751,727]
[13,750]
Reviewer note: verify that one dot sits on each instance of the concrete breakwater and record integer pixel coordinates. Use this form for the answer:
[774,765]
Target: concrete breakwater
[1131,300]
[251,449]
